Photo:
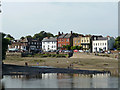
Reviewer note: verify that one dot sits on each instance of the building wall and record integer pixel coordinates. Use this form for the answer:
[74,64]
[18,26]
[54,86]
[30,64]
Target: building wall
[85,42]
[108,44]
[100,44]
[111,42]
[63,41]
[18,45]
[77,41]
[49,46]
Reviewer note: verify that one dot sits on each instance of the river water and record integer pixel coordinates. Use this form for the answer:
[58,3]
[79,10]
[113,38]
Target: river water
[58,80]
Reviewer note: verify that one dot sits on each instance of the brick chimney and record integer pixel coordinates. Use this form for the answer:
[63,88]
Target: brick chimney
[71,32]
[58,33]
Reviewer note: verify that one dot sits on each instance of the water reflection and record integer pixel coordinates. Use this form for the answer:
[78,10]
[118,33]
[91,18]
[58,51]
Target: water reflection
[60,80]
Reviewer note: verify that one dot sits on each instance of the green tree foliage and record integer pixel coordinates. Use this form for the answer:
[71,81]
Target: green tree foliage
[29,36]
[76,47]
[117,43]
[76,34]
[67,47]
[9,37]
[5,43]
[22,38]
[42,35]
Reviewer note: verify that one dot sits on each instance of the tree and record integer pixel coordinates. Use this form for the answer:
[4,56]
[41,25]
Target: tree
[64,46]
[117,43]
[42,35]
[5,43]
[22,38]
[8,36]
[29,36]
[76,47]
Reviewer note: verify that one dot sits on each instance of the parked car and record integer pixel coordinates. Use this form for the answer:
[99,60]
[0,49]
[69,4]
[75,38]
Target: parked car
[75,50]
[80,50]
[87,51]
[108,52]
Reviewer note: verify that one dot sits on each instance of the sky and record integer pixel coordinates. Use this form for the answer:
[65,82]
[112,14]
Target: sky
[27,18]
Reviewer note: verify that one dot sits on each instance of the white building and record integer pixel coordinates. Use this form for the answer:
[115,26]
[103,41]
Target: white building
[49,44]
[103,44]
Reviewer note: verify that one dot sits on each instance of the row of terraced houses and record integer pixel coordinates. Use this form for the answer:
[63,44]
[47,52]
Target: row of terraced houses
[93,43]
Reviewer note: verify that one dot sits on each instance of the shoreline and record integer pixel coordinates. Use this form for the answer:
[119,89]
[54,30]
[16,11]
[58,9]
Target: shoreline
[79,61]
[27,70]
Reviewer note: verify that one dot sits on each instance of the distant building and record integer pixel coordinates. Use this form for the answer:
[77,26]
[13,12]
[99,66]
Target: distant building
[64,39]
[34,44]
[49,44]
[103,44]
[77,41]
[94,37]
[25,44]
[85,42]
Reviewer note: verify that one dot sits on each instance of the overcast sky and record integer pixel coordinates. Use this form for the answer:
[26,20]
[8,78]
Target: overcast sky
[25,18]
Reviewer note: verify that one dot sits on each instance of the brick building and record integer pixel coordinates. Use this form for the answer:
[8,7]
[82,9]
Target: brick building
[64,39]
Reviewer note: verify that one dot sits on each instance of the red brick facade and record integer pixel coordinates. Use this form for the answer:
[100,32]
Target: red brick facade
[64,39]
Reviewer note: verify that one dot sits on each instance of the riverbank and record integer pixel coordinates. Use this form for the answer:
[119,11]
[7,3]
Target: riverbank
[27,70]
[82,61]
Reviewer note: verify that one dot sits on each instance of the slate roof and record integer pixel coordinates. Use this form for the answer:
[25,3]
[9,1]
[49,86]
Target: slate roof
[102,38]
[65,35]
[51,39]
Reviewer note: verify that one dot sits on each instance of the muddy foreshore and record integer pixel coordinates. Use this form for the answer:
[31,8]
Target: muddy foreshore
[8,69]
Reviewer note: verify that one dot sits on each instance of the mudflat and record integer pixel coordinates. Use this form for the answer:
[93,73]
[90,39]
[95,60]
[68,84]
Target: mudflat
[78,61]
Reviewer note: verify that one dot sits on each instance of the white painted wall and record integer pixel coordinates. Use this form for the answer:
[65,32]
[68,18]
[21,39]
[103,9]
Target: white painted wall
[49,46]
[101,44]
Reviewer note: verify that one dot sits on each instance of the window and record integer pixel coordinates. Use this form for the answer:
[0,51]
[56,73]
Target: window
[66,40]
[75,41]
[78,41]
[58,45]
[52,46]
[103,43]
[87,40]
[82,40]
[96,44]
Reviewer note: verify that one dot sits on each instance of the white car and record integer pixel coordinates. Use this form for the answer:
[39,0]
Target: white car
[80,50]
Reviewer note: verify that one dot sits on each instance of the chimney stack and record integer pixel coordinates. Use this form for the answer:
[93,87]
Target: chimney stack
[62,32]
[71,32]
[58,33]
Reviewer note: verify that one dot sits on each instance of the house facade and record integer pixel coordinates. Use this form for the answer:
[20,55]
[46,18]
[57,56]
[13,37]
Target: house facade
[85,42]
[103,44]
[77,41]
[94,37]
[49,44]
[64,39]
[34,44]
[25,44]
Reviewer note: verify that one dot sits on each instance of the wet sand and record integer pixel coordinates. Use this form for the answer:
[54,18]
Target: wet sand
[78,61]
[27,70]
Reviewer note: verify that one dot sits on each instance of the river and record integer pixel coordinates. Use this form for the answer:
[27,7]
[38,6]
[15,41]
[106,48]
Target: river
[60,80]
